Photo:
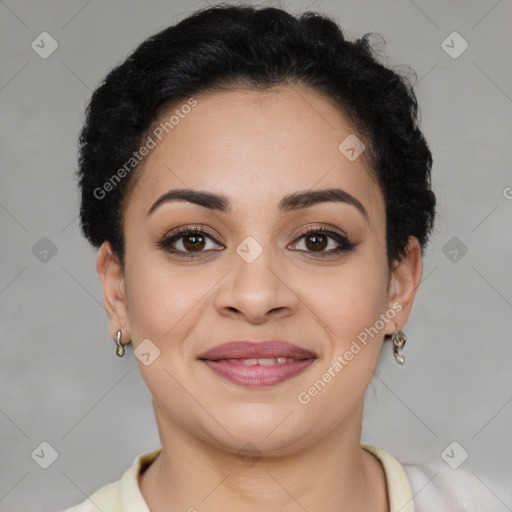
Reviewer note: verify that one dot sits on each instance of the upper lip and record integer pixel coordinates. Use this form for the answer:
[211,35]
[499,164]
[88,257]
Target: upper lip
[256,350]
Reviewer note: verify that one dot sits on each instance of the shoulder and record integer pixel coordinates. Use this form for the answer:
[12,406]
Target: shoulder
[105,498]
[444,489]
[434,486]
[123,495]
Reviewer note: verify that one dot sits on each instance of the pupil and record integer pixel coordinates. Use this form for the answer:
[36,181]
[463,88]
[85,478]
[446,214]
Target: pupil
[320,241]
[194,241]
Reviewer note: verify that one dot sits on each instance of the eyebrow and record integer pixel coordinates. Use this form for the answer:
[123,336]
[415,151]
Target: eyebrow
[291,202]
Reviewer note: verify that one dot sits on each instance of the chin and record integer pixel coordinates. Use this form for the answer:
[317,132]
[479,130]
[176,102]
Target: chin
[271,431]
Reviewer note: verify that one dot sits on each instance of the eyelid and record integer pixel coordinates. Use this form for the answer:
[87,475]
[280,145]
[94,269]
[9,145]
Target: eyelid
[345,245]
[321,227]
[194,228]
[187,228]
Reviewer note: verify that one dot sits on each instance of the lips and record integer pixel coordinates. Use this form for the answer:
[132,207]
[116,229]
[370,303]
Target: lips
[256,350]
[257,364]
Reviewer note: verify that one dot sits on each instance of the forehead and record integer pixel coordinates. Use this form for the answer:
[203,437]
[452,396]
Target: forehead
[254,147]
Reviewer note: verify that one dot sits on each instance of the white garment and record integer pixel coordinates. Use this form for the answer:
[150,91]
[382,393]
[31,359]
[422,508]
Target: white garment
[443,489]
[410,489]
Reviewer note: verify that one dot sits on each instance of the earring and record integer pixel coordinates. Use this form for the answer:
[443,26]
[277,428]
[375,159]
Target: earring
[120,347]
[399,338]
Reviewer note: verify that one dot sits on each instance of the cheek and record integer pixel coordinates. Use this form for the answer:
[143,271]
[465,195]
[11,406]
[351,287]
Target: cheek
[161,298]
[347,300]
[351,316]
[349,306]
[164,305]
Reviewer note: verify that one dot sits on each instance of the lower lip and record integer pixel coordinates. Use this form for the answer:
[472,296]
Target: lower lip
[256,376]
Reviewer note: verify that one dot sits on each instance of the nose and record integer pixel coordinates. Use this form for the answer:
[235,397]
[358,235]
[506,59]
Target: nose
[256,291]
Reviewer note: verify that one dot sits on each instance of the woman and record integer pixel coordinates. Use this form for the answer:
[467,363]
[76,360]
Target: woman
[259,191]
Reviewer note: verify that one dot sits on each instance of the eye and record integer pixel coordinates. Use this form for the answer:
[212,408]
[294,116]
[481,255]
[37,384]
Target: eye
[188,241]
[191,241]
[316,240]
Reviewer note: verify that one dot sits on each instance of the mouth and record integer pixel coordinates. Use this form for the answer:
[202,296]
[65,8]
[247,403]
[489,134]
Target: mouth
[257,364]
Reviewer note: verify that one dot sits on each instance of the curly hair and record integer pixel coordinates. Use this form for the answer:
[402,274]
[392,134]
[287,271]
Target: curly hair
[225,47]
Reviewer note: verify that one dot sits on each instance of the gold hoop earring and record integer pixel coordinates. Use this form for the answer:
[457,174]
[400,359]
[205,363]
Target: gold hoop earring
[120,347]
[399,338]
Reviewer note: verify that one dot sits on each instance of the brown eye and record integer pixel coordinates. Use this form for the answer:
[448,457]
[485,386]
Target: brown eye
[194,242]
[188,241]
[316,242]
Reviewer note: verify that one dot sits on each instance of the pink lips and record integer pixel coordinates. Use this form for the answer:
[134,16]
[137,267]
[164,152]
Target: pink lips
[229,360]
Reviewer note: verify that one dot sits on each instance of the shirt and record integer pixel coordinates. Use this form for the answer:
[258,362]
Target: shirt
[424,495]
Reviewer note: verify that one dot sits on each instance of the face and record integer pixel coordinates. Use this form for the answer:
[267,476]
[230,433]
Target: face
[262,266]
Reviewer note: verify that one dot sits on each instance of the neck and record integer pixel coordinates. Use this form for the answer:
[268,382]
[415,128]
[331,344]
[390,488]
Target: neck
[334,474]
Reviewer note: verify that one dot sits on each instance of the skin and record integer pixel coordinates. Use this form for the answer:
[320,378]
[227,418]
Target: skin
[256,148]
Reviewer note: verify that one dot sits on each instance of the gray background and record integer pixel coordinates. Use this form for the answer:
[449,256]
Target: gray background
[60,380]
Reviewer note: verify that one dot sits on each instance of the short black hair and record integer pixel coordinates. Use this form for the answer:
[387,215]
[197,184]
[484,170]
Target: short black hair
[228,46]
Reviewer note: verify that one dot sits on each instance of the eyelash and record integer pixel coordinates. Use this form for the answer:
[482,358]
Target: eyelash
[345,244]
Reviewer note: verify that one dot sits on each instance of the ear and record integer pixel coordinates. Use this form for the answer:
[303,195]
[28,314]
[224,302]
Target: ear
[114,293]
[404,282]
